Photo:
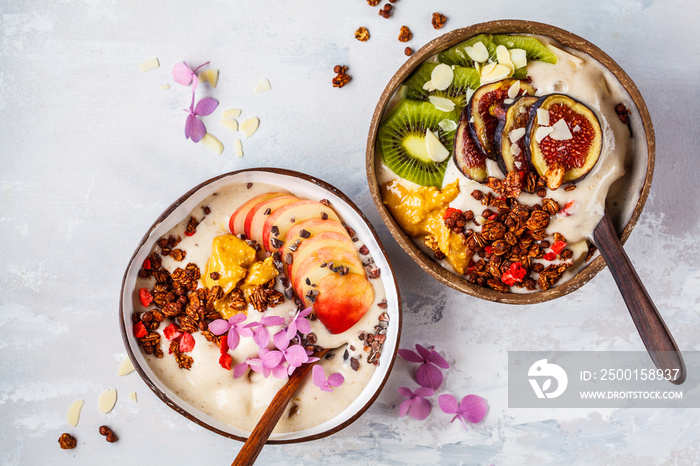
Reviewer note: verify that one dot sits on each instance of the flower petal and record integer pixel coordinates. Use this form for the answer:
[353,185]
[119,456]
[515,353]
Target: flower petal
[280,371]
[194,128]
[438,360]
[404,391]
[272,320]
[423,352]
[182,74]
[428,375]
[280,340]
[318,375]
[237,318]
[420,408]
[272,359]
[219,327]
[240,369]
[405,407]
[473,408]
[448,404]
[261,337]
[303,326]
[296,355]
[410,355]
[336,379]
[205,106]
[233,339]
[423,391]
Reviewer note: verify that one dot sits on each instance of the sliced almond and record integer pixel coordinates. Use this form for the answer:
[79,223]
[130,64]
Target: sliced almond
[149,65]
[543,117]
[518,57]
[165,87]
[238,147]
[230,123]
[73,414]
[436,151]
[560,131]
[210,76]
[478,52]
[448,125]
[494,72]
[126,367]
[514,90]
[107,400]
[515,150]
[516,135]
[249,126]
[428,86]
[442,103]
[232,113]
[212,143]
[262,86]
[503,57]
[442,76]
[542,132]
[132,397]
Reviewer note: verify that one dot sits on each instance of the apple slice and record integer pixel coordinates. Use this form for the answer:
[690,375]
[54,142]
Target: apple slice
[236,224]
[315,274]
[334,242]
[257,215]
[312,226]
[330,252]
[342,301]
[286,216]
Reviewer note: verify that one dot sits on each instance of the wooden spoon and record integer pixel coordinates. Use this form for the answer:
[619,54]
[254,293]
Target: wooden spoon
[256,440]
[651,327]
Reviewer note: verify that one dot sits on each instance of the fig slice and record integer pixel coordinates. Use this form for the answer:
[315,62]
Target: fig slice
[484,107]
[466,154]
[563,156]
[510,137]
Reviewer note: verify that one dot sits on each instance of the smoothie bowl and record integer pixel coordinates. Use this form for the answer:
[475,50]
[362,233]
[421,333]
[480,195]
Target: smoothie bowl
[240,282]
[494,152]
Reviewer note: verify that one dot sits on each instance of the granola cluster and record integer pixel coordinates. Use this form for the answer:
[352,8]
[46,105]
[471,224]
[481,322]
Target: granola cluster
[342,77]
[512,237]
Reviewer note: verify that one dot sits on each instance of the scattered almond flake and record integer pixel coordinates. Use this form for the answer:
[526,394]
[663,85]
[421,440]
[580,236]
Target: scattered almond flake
[479,219]
[210,76]
[494,72]
[126,367]
[542,132]
[576,129]
[212,143]
[543,117]
[503,57]
[508,101]
[514,90]
[149,65]
[230,123]
[448,125]
[441,76]
[560,131]
[516,135]
[165,87]
[73,415]
[262,86]
[518,57]
[470,92]
[478,52]
[436,151]
[428,86]
[238,146]
[232,113]
[250,126]
[442,103]
[515,149]
[107,400]
[132,397]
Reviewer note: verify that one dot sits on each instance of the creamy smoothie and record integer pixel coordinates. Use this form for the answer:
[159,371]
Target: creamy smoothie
[240,401]
[582,204]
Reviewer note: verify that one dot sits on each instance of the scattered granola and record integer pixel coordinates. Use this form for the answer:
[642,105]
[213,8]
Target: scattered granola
[385,12]
[362,34]
[405,34]
[108,434]
[408,51]
[67,441]
[438,20]
[373,2]
[341,78]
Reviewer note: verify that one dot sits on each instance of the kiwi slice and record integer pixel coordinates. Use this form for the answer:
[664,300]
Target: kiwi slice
[457,55]
[463,79]
[401,141]
[535,49]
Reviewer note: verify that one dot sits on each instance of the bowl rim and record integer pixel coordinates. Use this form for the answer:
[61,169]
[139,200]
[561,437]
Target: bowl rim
[192,417]
[510,26]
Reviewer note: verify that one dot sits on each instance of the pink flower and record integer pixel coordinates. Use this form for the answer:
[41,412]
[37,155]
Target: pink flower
[183,74]
[428,373]
[194,128]
[299,323]
[334,380]
[415,405]
[261,335]
[472,408]
[294,356]
[234,328]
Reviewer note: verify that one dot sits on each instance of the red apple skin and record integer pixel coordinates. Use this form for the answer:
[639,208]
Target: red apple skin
[299,211]
[236,224]
[342,301]
[256,216]
[337,255]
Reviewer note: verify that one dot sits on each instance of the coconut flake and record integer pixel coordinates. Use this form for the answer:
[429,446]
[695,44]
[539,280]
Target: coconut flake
[478,52]
[442,103]
[514,90]
[231,113]
[518,57]
[543,117]
[238,147]
[516,135]
[542,132]
[441,77]
[494,72]
[212,143]
[149,65]
[503,57]
[262,86]
[230,123]
[73,414]
[250,126]
[436,151]
[560,131]
[107,400]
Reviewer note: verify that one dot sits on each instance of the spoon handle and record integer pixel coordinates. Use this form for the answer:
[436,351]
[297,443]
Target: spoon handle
[651,327]
[257,439]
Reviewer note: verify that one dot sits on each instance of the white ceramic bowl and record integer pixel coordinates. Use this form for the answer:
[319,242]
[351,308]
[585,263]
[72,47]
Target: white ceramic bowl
[303,186]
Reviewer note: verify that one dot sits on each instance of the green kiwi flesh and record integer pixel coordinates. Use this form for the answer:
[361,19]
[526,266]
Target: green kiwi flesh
[457,55]
[401,141]
[464,78]
[534,49]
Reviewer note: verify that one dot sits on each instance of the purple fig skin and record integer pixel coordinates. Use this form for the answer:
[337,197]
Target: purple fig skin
[464,141]
[501,129]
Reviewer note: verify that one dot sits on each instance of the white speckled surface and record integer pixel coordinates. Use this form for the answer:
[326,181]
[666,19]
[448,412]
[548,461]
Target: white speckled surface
[93,151]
